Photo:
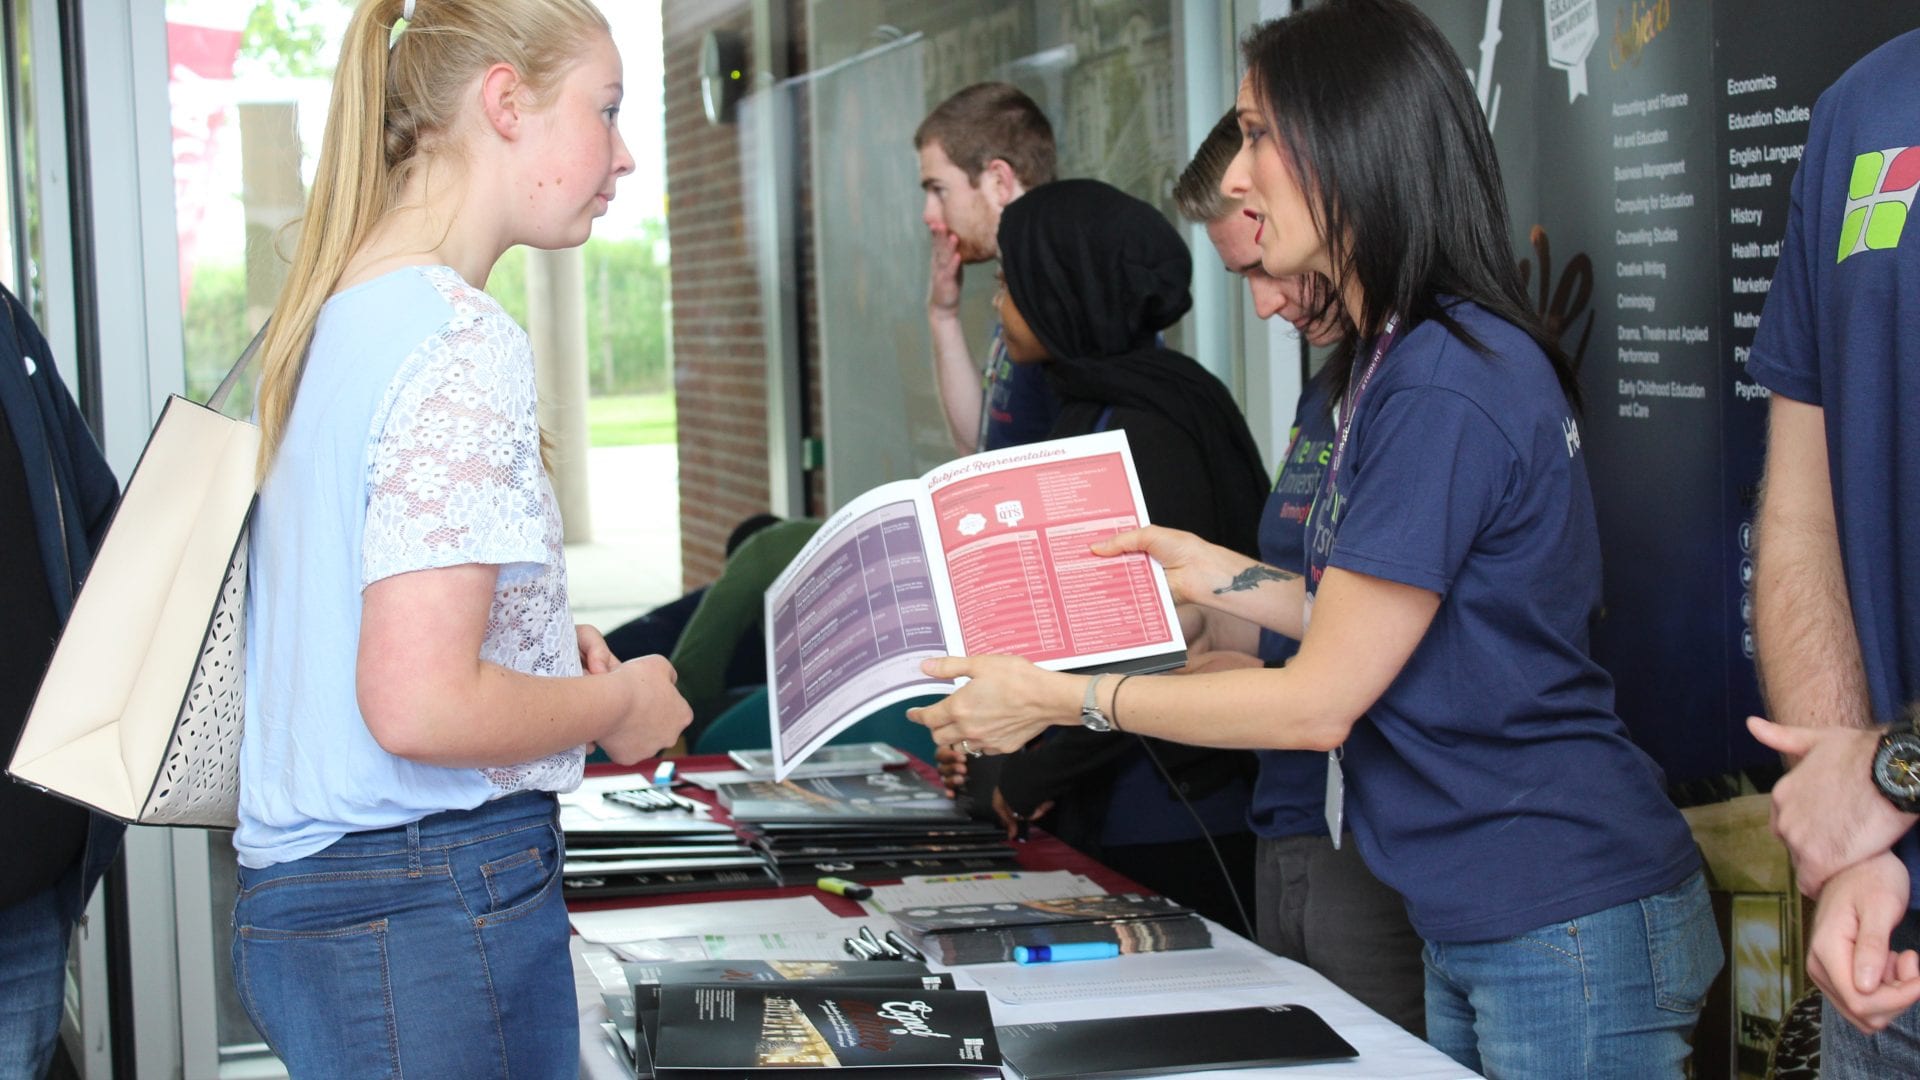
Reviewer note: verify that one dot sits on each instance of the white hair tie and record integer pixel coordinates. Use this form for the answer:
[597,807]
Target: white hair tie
[407,12]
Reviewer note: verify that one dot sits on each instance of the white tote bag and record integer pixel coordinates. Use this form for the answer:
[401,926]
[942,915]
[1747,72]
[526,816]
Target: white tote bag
[139,714]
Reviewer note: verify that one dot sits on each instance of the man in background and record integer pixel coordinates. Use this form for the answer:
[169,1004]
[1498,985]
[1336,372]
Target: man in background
[56,497]
[979,150]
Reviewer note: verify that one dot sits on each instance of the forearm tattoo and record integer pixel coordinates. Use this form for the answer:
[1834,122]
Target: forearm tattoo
[1252,578]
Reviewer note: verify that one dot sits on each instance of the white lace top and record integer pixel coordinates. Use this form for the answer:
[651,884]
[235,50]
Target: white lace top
[413,444]
[454,476]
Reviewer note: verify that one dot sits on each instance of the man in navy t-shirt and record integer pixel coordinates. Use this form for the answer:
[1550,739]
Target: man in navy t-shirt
[1837,588]
[979,150]
[1315,903]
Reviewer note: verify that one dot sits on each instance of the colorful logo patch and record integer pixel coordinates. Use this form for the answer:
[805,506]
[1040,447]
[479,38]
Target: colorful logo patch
[1879,200]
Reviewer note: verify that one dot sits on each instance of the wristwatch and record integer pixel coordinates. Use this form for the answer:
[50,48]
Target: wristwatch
[1094,720]
[1896,767]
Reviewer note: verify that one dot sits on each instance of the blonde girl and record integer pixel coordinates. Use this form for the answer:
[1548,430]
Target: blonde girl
[416,689]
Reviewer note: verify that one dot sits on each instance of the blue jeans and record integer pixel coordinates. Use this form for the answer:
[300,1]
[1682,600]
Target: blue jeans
[436,949]
[33,955]
[1612,994]
[33,979]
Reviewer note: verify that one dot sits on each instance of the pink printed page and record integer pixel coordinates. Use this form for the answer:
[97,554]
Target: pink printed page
[1023,580]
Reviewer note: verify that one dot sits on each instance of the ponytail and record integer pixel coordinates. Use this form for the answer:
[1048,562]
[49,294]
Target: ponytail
[351,190]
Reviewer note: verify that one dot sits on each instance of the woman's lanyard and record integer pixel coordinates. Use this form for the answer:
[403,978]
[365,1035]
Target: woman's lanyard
[1349,407]
[1336,804]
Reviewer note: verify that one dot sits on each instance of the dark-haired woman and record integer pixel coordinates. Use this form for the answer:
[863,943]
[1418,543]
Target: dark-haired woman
[1090,276]
[1452,566]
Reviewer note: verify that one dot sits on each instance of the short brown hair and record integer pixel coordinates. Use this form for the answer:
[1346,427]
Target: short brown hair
[1197,192]
[992,120]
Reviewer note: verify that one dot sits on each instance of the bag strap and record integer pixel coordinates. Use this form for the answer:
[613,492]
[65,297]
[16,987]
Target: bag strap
[220,393]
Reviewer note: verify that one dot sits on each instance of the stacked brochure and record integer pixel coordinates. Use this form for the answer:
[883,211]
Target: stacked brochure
[988,933]
[987,554]
[1248,1038]
[616,849]
[890,796]
[881,852]
[709,1030]
[875,826]
[797,1014]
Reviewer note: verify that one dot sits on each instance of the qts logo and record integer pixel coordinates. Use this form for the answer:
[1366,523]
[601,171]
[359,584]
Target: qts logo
[1879,200]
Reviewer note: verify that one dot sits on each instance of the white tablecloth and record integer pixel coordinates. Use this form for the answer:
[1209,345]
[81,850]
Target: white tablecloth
[1386,1049]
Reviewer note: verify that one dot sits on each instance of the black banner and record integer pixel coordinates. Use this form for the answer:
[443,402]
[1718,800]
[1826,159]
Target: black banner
[1648,150]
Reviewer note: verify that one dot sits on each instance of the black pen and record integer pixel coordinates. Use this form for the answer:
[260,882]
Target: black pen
[903,947]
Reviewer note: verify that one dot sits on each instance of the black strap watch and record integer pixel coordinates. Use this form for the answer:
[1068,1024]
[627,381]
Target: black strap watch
[1896,766]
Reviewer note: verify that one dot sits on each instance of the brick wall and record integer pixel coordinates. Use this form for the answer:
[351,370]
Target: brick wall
[719,379]
[719,355]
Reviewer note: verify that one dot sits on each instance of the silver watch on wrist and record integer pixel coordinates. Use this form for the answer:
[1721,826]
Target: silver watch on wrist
[1090,715]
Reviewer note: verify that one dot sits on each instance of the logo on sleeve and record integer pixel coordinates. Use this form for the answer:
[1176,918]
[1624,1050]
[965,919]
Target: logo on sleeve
[1879,200]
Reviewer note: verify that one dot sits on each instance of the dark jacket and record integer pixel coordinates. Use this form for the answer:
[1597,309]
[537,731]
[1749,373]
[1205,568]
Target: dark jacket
[1097,275]
[72,493]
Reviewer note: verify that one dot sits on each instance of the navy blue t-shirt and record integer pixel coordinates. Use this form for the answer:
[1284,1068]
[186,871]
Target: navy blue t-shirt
[1017,406]
[1492,785]
[1289,796]
[1841,330]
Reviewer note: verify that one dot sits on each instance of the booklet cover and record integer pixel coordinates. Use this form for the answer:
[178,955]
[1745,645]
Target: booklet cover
[986,554]
[771,1029]
[1171,1043]
[648,978]
[877,796]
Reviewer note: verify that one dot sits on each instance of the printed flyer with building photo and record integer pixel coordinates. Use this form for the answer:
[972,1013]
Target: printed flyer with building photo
[987,554]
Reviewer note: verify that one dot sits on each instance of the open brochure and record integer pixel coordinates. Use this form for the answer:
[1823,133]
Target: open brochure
[986,554]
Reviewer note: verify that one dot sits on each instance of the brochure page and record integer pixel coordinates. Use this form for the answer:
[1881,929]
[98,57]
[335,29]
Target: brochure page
[1016,526]
[850,621]
[987,554]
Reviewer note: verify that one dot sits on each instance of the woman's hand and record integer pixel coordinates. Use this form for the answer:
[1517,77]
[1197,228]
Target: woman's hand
[595,657]
[1240,594]
[1007,703]
[1193,566]
[655,713]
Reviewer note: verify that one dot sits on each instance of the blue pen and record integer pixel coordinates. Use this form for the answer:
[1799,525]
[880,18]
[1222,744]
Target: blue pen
[1072,950]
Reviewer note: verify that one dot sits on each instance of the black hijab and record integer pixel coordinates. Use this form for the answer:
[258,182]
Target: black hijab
[1098,274]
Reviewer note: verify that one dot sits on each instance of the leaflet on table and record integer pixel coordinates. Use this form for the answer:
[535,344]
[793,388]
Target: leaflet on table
[986,554]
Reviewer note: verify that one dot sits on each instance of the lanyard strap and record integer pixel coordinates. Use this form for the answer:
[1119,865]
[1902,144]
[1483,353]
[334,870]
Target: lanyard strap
[1352,404]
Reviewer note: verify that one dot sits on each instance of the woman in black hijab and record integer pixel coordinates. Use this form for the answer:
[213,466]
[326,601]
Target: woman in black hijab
[1090,278]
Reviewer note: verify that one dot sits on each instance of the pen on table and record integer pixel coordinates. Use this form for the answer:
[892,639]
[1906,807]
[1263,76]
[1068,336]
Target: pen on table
[858,949]
[886,950]
[852,890]
[652,798]
[1071,950]
[903,946]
